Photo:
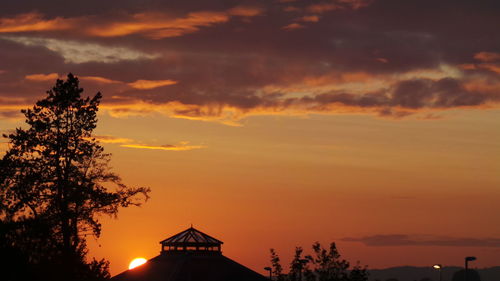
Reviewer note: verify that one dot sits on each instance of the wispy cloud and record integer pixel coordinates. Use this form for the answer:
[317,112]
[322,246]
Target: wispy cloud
[10,114]
[151,84]
[423,240]
[159,25]
[156,25]
[293,26]
[486,61]
[164,147]
[322,7]
[151,24]
[33,22]
[226,115]
[130,143]
[487,56]
[12,101]
[81,52]
[101,80]
[42,77]
[337,5]
[310,18]
[138,84]
[389,98]
[245,11]
[11,106]
[112,139]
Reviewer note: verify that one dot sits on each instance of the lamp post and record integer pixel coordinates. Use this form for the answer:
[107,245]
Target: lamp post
[439,267]
[467,260]
[270,272]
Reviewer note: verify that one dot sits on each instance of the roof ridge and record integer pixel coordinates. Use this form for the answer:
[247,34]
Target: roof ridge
[197,235]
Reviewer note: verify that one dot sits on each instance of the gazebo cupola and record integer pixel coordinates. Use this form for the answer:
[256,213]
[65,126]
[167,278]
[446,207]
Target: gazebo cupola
[191,240]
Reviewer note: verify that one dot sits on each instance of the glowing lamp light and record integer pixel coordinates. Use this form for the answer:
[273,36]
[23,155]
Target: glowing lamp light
[439,267]
[137,262]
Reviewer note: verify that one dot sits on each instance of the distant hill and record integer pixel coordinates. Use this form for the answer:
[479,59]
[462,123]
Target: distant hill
[411,273]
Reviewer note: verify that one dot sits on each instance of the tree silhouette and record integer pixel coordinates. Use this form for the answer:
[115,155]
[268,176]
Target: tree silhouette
[472,275]
[55,181]
[277,269]
[325,265]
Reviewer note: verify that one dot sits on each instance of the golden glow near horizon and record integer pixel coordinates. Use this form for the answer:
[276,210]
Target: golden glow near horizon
[137,262]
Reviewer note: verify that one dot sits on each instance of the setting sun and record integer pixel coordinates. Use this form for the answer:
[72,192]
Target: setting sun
[137,262]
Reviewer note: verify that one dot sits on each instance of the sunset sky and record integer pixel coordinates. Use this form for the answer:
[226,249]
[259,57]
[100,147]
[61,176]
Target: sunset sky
[278,123]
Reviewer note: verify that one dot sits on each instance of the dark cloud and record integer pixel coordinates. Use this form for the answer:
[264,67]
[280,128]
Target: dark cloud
[409,94]
[423,240]
[444,93]
[10,114]
[415,55]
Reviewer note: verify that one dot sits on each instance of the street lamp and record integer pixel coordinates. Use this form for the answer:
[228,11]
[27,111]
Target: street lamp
[439,267]
[270,272]
[467,260]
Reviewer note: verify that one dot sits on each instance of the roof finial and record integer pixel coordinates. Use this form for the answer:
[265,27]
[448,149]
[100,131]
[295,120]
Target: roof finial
[191,225]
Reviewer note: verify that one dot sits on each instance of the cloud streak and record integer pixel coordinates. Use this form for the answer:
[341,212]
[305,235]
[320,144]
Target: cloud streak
[487,56]
[153,25]
[140,84]
[42,77]
[423,240]
[397,100]
[158,26]
[151,84]
[112,139]
[164,147]
[130,143]
[80,52]
[33,22]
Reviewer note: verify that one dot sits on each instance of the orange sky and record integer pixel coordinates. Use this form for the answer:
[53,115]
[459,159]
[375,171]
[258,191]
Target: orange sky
[286,181]
[281,123]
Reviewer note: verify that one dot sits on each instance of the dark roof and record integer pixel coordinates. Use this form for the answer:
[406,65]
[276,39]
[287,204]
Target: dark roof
[190,255]
[190,266]
[191,236]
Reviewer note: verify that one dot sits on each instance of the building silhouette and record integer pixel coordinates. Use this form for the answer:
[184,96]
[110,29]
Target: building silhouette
[190,255]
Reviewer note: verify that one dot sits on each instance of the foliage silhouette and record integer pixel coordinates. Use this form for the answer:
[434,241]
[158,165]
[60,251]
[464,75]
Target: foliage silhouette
[55,181]
[472,275]
[277,269]
[324,265]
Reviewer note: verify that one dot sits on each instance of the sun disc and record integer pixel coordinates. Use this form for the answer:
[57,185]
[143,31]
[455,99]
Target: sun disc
[137,262]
